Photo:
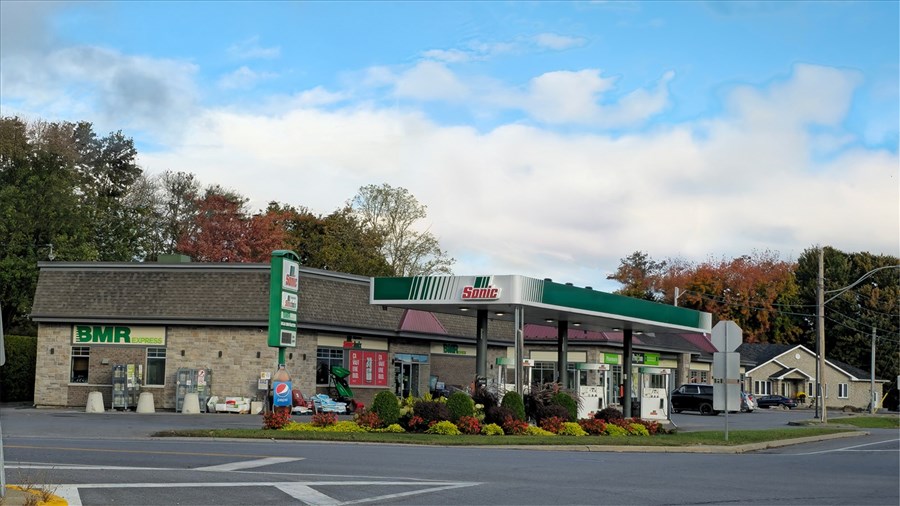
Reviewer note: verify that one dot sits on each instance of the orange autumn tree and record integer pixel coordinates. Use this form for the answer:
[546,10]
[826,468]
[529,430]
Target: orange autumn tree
[757,291]
[223,230]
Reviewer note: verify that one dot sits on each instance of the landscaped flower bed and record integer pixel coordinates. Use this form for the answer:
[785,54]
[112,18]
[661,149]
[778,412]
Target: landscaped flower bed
[462,415]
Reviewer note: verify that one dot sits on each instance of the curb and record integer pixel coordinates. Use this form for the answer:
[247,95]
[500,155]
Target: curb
[17,496]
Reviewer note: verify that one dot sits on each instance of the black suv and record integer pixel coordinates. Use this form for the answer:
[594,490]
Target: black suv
[693,397]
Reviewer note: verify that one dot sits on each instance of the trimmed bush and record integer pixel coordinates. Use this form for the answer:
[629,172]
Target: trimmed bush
[608,415]
[552,424]
[394,427]
[593,426]
[551,411]
[514,402]
[445,428]
[343,426]
[368,419]
[460,405]
[573,429]
[492,429]
[514,427]
[615,431]
[387,407]
[567,401]
[637,429]
[537,431]
[469,425]
[431,411]
[324,419]
[276,419]
[497,414]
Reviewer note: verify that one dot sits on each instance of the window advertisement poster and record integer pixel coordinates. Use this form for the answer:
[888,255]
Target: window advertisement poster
[368,368]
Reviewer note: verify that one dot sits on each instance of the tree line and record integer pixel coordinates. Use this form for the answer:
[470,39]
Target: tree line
[68,194]
[774,301]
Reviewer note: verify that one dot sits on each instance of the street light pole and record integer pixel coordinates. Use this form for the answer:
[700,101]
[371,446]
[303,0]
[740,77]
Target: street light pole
[821,386]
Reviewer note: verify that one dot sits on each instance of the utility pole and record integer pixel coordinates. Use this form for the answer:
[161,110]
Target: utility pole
[820,337]
[872,402]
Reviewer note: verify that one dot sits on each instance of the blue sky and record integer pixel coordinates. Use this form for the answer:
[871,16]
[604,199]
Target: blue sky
[546,138]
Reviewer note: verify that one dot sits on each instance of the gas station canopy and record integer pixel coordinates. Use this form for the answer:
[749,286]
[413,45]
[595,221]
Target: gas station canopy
[542,302]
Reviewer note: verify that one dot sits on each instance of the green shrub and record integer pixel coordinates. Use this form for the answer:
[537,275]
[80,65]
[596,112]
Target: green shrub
[552,411]
[445,428]
[343,426]
[608,415]
[387,407]
[514,402]
[300,427]
[537,431]
[565,400]
[573,429]
[460,405]
[394,427]
[431,411]
[17,375]
[637,429]
[492,429]
[615,431]
[498,414]
[469,425]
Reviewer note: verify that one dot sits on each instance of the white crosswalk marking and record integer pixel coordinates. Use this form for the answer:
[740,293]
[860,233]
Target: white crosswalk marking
[247,464]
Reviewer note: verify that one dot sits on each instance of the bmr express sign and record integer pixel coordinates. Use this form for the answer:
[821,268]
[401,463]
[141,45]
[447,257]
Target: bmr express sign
[118,334]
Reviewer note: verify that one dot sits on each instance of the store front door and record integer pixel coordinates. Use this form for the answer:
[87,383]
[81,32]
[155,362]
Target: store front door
[406,381]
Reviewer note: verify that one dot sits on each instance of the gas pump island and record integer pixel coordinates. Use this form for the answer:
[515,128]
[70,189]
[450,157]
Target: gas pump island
[284,301]
[522,300]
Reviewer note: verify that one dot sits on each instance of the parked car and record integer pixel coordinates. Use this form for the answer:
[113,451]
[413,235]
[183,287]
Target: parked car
[776,401]
[693,397]
[748,402]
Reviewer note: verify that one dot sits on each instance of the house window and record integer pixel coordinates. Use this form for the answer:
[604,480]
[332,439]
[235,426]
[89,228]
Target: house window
[699,376]
[543,372]
[81,356]
[325,359]
[843,391]
[156,366]
[762,387]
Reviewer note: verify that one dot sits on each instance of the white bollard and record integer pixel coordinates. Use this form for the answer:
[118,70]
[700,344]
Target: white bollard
[191,405]
[94,403]
[145,403]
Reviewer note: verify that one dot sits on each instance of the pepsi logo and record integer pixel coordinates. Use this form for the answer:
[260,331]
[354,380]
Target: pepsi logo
[282,389]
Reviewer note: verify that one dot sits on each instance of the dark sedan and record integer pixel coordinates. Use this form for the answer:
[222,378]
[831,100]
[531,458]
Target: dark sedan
[776,401]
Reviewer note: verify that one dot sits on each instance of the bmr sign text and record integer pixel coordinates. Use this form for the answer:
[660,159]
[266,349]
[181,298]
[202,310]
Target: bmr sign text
[115,334]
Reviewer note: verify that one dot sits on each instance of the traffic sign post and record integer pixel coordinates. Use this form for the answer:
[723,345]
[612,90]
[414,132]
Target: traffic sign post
[726,337]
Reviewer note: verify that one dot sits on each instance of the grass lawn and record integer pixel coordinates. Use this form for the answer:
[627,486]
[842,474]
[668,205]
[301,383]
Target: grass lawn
[712,438]
[869,422]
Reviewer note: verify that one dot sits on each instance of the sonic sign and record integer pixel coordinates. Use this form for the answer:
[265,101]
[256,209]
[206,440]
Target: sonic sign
[284,298]
[486,293]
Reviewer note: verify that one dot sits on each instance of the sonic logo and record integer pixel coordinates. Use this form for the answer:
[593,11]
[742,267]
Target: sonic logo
[487,293]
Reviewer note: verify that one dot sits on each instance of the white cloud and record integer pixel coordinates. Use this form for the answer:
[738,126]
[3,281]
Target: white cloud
[430,81]
[243,78]
[525,200]
[448,55]
[250,49]
[558,42]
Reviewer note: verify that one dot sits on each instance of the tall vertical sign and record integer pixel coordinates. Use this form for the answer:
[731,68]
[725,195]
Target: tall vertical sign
[284,300]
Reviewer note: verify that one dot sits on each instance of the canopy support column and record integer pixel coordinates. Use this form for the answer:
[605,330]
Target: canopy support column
[481,347]
[562,353]
[626,370]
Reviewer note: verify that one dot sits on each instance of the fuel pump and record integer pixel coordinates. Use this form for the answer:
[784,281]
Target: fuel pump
[591,394]
[654,401]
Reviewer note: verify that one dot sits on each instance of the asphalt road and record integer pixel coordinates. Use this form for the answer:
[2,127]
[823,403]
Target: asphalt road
[108,459]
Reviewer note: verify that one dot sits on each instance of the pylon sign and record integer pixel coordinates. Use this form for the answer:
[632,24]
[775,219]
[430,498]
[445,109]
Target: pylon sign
[284,298]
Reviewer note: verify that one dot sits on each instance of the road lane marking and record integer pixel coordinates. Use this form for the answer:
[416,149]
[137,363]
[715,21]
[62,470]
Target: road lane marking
[851,448]
[302,491]
[247,464]
[151,452]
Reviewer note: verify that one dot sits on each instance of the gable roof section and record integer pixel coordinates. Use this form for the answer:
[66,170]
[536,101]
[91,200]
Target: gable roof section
[785,371]
[414,320]
[762,353]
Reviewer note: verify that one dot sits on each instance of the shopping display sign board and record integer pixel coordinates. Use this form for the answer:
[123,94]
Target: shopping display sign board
[282,393]
[284,298]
